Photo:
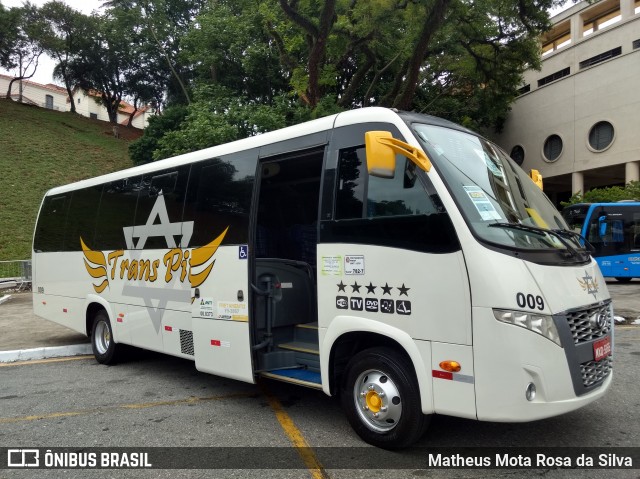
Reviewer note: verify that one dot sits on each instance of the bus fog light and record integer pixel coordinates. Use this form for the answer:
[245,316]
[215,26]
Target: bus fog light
[530,393]
[538,323]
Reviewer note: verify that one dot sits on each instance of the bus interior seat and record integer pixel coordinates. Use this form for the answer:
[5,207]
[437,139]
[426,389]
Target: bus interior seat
[294,298]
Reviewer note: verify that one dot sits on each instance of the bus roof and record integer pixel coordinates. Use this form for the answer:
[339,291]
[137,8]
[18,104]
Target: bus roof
[314,126]
[362,115]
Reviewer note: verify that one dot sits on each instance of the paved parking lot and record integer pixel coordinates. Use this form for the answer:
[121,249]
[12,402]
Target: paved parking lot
[152,400]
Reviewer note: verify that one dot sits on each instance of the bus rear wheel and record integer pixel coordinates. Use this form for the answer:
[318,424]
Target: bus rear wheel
[381,398]
[623,279]
[104,347]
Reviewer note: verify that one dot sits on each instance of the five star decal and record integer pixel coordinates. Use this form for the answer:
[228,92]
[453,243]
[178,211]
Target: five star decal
[403,290]
[374,305]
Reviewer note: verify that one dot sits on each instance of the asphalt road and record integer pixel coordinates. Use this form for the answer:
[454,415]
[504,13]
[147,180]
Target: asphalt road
[158,401]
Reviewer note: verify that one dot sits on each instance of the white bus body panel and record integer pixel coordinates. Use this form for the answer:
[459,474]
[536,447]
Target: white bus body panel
[357,282]
[507,357]
[220,320]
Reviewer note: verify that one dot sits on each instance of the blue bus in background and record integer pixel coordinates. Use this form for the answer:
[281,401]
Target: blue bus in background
[614,231]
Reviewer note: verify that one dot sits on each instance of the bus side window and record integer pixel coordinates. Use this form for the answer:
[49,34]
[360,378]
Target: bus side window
[351,183]
[397,212]
[171,185]
[117,211]
[219,196]
[51,224]
[82,218]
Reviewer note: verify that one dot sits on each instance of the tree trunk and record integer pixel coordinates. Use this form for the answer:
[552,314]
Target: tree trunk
[434,21]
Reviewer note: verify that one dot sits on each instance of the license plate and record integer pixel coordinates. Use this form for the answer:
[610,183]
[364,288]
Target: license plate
[602,348]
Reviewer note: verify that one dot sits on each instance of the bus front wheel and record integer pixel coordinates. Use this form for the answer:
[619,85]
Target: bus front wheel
[102,343]
[381,398]
[623,279]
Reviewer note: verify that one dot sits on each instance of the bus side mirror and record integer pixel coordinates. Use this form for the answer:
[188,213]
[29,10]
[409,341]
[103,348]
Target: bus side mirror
[602,226]
[536,177]
[381,149]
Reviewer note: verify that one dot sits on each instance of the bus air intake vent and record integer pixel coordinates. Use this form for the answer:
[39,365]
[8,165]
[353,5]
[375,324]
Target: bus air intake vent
[595,371]
[583,325]
[186,342]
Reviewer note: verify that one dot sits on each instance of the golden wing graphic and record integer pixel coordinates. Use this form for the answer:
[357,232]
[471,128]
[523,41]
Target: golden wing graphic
[583,284]
[201,256]
[99,268]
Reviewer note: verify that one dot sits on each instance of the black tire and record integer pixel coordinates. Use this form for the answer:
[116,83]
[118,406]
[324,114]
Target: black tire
[104,347]
[623,280]
[399,422]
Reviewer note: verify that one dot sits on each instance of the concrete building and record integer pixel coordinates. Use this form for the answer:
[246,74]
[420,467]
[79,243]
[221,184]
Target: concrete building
[577,120]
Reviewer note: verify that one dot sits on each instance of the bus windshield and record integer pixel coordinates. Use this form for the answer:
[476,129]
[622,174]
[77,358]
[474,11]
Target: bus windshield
[497,199]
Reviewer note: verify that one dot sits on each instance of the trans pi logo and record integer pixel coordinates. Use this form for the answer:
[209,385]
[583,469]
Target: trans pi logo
[176,265]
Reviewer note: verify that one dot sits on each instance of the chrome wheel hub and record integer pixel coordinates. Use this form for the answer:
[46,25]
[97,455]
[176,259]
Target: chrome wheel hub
[377,400]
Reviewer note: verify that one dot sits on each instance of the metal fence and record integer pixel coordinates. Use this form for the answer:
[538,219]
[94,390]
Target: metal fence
[15,274]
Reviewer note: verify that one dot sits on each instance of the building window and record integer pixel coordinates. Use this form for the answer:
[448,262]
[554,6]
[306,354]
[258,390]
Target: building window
[601,136]
[517,154]
[78,101]
[552,148]
[48,102]
[600,58]
[558,42]
[601,21]
[554,76]
[93,116]
[524,89]
[636,44]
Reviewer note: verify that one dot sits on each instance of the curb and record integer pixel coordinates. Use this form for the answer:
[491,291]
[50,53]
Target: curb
[44,353]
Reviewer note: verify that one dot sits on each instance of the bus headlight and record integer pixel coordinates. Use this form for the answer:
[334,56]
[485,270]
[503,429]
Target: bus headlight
[537,323]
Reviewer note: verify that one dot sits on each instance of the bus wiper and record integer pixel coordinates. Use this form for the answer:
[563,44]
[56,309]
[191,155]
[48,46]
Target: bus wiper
[572,252]
[573,234]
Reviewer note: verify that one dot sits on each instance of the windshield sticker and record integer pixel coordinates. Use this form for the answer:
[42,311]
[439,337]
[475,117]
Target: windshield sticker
[481,202]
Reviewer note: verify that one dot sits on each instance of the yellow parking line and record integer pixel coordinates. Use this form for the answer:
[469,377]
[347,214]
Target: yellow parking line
[44,361]
[295,436]
[120,407]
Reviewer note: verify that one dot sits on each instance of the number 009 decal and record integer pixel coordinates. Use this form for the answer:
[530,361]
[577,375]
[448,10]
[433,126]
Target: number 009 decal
[530,301]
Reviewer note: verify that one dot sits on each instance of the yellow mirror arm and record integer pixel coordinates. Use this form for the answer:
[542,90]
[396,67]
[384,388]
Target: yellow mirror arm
[411,152]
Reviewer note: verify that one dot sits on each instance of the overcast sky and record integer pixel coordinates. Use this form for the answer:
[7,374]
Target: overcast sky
[44,74]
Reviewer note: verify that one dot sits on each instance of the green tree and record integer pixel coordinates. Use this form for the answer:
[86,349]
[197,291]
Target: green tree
[631,191]
[65,31]
[142,150]
[164,23]
[22,49]
[104,61]
[9,29]
[458,59]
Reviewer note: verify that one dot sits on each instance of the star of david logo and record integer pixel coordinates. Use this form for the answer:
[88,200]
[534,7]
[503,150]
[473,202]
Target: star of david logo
[158,224]
[589,284]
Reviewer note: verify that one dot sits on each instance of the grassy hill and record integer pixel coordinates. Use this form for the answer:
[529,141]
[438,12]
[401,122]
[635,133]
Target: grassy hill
[40,149]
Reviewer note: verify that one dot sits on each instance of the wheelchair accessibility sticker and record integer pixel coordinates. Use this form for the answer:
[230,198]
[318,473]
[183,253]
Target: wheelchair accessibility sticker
[243,251]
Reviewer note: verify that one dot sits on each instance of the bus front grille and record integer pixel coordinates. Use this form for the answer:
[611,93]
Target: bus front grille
[582,322]
[595,371]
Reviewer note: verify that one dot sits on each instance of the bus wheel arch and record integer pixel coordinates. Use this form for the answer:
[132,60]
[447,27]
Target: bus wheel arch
[378,388]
